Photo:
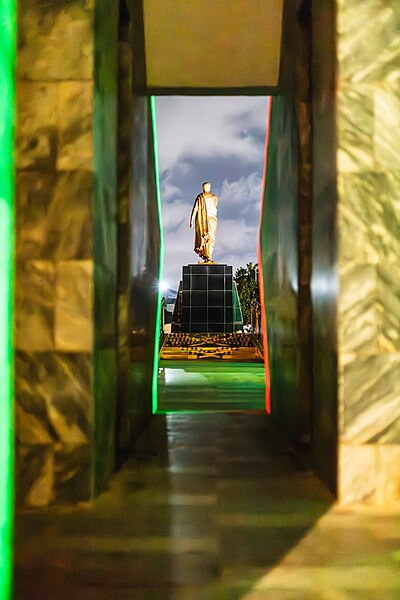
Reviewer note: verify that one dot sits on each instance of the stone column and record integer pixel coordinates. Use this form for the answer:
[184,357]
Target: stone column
[356,249]
[368,163]
[65,252]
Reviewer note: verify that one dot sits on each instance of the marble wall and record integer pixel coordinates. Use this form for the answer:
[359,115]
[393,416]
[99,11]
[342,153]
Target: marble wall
[368,165]
[280,262]
[356,286]
[65,248]
[105,217]
[138,232]
[324,282]
[286,233]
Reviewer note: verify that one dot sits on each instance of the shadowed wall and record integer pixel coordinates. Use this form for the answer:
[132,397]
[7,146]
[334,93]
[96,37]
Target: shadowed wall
[285,231]
[280,261]
[139,235]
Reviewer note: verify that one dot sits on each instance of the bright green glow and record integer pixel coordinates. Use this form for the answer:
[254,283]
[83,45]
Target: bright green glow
[7,59]
[210,386]
[161,259]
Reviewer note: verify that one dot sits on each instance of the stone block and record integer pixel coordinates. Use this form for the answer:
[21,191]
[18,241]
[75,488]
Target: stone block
[74,306]
[377,49]
[355,128]
[31,430]
[34,476]
[370,407]
[388,473]
[55,40]
[54,215]
[389,307]
[57,390]
[75,134]
[35,301]
[37,116]
[73,474]
[357,474]
[34,191]
[368,219]
[387,126]
[358,318]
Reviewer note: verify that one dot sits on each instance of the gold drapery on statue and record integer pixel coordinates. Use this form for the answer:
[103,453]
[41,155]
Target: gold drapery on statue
[204,214]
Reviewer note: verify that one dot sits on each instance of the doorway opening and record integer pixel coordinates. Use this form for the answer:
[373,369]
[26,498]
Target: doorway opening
[210,351]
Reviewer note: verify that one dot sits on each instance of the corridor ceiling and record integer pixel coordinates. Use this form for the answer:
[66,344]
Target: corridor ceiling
[212,44]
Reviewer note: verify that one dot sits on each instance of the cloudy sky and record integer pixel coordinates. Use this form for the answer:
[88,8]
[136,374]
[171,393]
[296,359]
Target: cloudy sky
[216,139]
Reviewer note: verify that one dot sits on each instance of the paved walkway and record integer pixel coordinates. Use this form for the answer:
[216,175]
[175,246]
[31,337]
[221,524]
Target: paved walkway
[213,507]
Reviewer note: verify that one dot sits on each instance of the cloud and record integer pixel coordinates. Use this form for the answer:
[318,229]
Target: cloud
[241,198]
[221,140]
[204,126]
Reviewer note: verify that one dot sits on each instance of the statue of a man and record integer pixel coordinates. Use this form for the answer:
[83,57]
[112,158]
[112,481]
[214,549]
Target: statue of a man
[204,220]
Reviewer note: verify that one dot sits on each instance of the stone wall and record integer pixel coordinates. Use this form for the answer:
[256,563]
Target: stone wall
[280,262]
[368,164]
[139,235]
[324,283]
[286,232]
[65,249]
[356,289]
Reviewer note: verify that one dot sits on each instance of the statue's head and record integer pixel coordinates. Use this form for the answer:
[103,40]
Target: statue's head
[206,187]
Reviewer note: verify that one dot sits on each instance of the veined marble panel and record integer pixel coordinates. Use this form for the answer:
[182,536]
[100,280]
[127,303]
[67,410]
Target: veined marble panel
[36,132]
[368,218]
[357,305]
[355,128]
[57,389]
[389,307]
[46,30]
[371,391]
[368,40]
[34,476]
[74,306]
[73,473]
[357,473]
[369,474]
[35,300]
[54,215]
[387,125]
[75,134]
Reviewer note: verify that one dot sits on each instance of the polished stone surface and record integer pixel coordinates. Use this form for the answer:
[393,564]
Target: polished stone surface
[356,240]
[199,385]
[212,506]
[280,263]
[65,308]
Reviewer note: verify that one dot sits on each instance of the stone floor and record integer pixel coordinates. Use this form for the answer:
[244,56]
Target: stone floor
[185,385]
[212,507]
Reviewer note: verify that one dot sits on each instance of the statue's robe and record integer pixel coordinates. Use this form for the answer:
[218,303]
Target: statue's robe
[205,227]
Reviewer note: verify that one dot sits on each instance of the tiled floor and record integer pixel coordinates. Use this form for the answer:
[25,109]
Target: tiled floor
[213,507]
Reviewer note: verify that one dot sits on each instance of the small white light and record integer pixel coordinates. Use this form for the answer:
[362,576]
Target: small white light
[163,286]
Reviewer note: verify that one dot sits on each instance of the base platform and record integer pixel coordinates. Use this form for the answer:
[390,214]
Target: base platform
[237,347]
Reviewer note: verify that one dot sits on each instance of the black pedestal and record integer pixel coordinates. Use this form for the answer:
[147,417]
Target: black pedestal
[208,298]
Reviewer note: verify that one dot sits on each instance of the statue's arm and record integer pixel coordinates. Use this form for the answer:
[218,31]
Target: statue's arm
[216,201]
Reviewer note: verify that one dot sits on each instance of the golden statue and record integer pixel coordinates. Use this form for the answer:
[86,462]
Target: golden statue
[204,220]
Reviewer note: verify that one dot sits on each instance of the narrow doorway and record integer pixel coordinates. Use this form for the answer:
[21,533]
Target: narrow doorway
[215,361]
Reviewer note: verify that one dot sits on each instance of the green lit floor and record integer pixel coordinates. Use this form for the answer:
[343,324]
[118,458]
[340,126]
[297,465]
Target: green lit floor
[185,386]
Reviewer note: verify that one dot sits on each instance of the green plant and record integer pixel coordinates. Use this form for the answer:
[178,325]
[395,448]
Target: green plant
[248,290]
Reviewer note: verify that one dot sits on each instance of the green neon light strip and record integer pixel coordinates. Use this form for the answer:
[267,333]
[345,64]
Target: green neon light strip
[161,259]
[7,60]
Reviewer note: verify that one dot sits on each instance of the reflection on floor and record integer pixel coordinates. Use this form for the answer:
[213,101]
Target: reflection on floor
[213,507]
[205,385]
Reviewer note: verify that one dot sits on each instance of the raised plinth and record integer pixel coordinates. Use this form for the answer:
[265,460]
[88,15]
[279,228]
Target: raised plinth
[209,302]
